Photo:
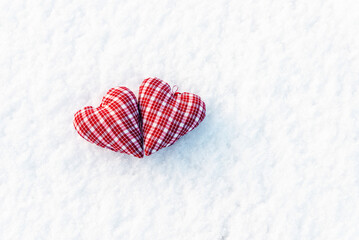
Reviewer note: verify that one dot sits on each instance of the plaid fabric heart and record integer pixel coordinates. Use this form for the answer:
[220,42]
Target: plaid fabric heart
[167,116]
[115,124]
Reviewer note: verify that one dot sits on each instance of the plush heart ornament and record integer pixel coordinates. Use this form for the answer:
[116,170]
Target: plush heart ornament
[166,116]
[115,124]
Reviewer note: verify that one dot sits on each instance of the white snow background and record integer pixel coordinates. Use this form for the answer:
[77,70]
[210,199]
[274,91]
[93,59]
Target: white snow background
[277,156]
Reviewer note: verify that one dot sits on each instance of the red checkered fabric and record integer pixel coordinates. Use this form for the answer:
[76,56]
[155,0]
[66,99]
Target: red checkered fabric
[166,116]
[115,124]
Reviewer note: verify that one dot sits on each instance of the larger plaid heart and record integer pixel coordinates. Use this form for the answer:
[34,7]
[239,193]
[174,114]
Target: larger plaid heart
[115,124]
[166,116]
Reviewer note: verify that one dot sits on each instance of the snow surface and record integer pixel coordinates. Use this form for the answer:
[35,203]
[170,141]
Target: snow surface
[277,156]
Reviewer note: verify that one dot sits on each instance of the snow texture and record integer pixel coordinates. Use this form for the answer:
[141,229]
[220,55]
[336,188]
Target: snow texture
[277,156]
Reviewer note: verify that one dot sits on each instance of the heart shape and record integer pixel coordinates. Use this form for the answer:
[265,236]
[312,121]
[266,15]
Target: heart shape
[167,116]
[115,124]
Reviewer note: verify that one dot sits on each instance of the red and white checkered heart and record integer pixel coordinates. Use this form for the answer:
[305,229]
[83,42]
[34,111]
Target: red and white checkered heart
[115,124]
[167,116]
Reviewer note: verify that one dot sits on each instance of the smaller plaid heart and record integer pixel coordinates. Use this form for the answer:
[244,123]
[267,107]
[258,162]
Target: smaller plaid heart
[115,124]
